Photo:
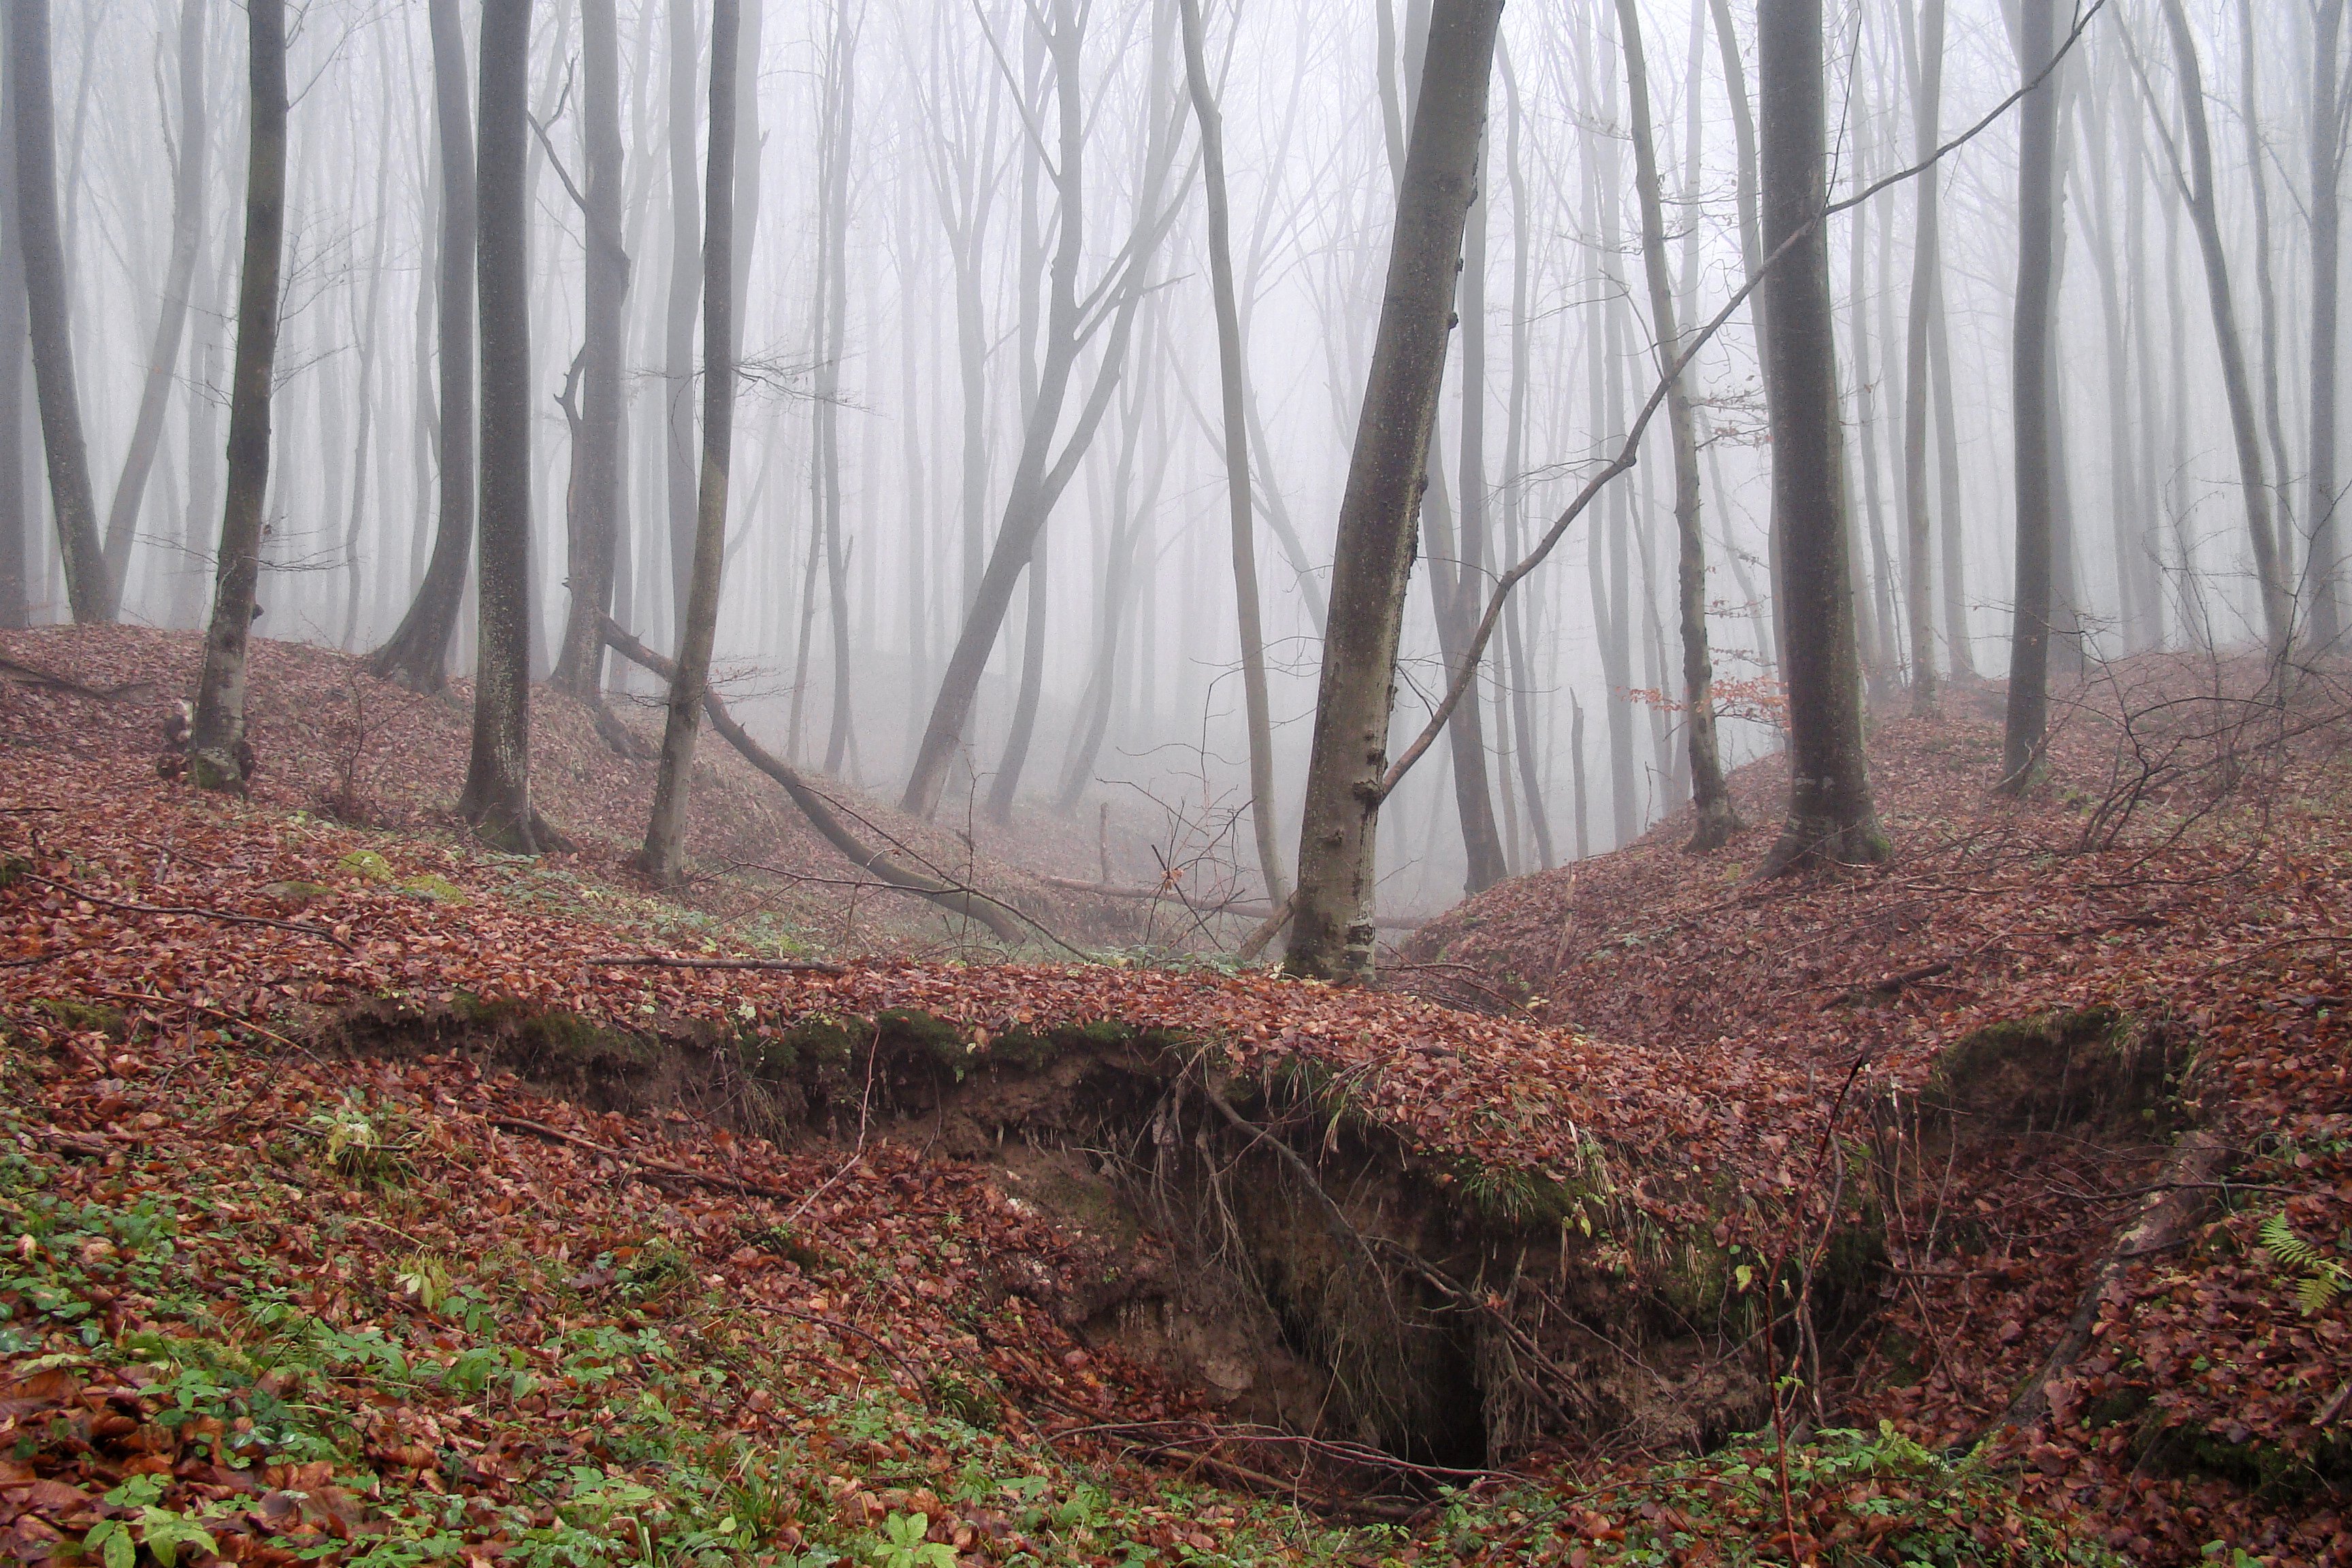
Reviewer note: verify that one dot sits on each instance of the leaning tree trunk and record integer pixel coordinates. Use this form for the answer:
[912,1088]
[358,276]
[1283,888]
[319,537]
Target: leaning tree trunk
[2278,605]
[496,798]
[1831,819]
[1331,928]
[663,859]
[2326,247]
[1231,373]
[1919,587]
[218,757]
[417,653]
[595,511]
[33,111]
[2028,641]
[1716,822]
[171,315]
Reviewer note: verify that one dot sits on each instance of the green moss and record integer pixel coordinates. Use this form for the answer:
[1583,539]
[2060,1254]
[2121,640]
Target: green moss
[912,1030]
[13,868]
[440,890]
[85,1017]
[297,892]
[368,864]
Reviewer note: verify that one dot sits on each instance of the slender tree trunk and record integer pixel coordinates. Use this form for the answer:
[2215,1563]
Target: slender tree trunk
[364,327]
[89,589]
[1951,537]
[496,798]
[1576,770]
[1331,932]
[664,858]
[1927,258]
[596,510]
[2266,287]
[1515,474]
[16,514]
[684,280]
[834,218]
[1041,474]
[2326,157]
[2106,250]
[2029,644]
[417,655]
[218,756]
[1831,819]
[1232,374]
[2278,607]
[171,315]
[1716,822]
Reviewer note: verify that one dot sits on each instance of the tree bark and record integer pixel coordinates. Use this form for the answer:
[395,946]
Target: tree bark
[1332,932]
[677,321]
[1515,476]
[1830,817]
[417,653]
[496,798]
[664,858]
[89,589]
[2029,642]
[2258,183]
[1716,820]
[171,315]
[2327,159]
[2278,605]
[15,516]
[1927,258]
[833,306]
[595,511]
[1232,374]
[218,756]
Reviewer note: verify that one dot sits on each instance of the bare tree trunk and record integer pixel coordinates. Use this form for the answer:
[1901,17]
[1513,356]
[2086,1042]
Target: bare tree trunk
[364,325]
[1830,817]
[89,589]
[595,507]
[2278,607]
[15,515]
[834,306]
[1927,259]
[664,857]
[496,798]
[1515,475]
[1041,474]
[171,315]
[2105,248]
[417,653]
[1716,822]
[218,756]
[2266,287]
[1951,538]
[1331,932]
[684,280]
[2029,644]
[1232,372]
[2326,156]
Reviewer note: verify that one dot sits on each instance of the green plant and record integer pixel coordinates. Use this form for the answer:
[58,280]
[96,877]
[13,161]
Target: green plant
[162,1530]
[903,1544]
[2323,1277]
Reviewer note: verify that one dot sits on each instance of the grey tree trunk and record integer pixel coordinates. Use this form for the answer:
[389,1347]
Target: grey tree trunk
[1716,820]
[2265,286]
[833,306]
[1951,539]
[1331,932]
[364,324]
[16,514]
[1041,474]
[218,755]
[188,184]
[1831,817]
[596,510]
[417,653]
[1232,374]
[1927,259]
[664,858]
[496,798]
[89,589]
[2327,159]
[2278,605]
[2028,714]
[1515,476]
[678,328]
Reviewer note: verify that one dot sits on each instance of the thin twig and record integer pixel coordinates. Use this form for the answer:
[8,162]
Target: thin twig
[223,915]
[662,1167]
[665,960]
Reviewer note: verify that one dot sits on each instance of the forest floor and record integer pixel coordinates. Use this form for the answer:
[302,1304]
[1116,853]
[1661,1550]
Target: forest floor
[371,1198]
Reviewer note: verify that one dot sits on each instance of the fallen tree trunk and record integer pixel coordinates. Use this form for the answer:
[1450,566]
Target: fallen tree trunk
[2169,1212]
[956,899]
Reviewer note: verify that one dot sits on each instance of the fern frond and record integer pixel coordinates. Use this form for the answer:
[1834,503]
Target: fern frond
[2317,1293]
[2288,1249]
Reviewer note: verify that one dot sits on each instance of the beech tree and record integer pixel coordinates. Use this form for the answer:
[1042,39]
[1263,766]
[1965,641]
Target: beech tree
[496,798]
[218,754]
[664,856]
[32,111]
[2029,642]
[1831,819]
[1332,926]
